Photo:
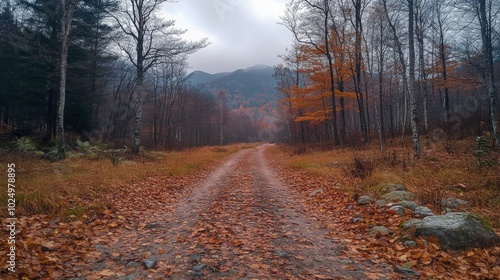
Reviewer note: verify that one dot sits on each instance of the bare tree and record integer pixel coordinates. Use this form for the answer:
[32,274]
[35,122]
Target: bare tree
[379,30]
[422,19]
[392,20]
[485,17]
[67,8]
[359,7]
[441,17]
[148,41]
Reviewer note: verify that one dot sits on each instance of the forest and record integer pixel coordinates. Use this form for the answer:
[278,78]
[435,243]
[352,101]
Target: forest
[119,166]
[105,71]
[115,72]
[363,70]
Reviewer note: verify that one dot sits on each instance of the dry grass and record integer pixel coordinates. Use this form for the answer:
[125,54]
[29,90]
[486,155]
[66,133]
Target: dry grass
[54,188]
[448,170]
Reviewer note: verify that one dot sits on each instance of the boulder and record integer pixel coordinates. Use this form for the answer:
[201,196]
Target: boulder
[458,231]
[413,223]
[387,188]
[381,203]
[399,196]
[397,209]
[364,200]
[412,205]
[423,211]
[452,202]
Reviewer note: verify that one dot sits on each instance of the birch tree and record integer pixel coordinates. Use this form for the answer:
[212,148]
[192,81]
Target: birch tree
[485,16]
[67,8]
[411,86]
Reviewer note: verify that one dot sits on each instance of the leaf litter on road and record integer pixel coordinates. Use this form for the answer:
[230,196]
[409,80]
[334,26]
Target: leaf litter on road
[244,220]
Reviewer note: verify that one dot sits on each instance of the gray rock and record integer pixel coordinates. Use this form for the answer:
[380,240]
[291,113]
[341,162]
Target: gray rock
[350,207]
[152,225]
[99,266]
[458,231]
[406,271]
[364,200]
[399,196]
[410,244]
[423,211]
[412,205]
[282,254]
[346,261]
[193,258]
[313,193]
[196,274]
[452,203]
[131,264]
[381,203]
[380,230]
[199,267]
[130,277]
[149,263]
[413,223]
[390,187]
[398,209]
[357,220]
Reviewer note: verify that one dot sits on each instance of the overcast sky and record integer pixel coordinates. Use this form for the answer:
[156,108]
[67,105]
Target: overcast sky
[242,32]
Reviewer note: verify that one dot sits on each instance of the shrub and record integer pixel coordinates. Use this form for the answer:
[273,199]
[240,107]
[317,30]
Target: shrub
[363,167]
[24,145]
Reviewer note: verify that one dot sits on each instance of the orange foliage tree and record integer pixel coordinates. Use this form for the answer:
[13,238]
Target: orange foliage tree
[309,102]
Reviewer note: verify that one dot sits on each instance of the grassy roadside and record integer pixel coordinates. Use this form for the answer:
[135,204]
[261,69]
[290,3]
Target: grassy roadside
[445,170]
[76,185]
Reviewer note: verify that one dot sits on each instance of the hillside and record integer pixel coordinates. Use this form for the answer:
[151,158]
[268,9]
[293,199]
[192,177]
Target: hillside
[251,87]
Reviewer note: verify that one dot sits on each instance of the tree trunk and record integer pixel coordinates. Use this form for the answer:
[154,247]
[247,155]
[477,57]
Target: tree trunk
[399,51]
[420,33]
[332,83]
[139,89]
[444,72]
[486,33]
[381,87]
[139,86]
[411,85]
[67,14]
[358,57]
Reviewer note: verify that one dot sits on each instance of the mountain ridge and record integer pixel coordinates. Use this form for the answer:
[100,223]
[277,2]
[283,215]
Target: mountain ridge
[253,86]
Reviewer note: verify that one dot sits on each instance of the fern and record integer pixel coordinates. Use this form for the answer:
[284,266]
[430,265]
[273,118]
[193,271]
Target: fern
[24,145]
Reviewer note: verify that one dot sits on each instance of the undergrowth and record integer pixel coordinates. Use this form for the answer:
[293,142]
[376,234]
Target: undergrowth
[75,185]
[447,169]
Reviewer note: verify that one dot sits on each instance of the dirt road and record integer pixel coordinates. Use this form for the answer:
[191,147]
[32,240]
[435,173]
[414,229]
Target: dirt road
[240,222]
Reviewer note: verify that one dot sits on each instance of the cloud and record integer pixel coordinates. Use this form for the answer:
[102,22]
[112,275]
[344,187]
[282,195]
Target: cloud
[243,32]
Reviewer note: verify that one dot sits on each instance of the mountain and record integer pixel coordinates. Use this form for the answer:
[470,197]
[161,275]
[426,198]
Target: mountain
[249,88]
[200,77]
